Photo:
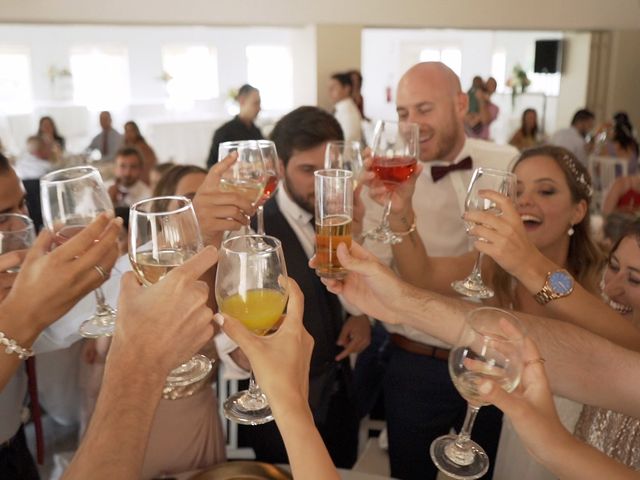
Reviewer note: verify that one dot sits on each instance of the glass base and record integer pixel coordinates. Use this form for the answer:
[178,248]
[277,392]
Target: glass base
[101,324]
[331,273]
[383,234]
[189,372]
[470,287]
[456,462]
[244,409]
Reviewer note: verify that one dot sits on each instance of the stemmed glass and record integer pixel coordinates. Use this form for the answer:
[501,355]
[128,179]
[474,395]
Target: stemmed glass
[483,179]
[248,175]
[251,285]
[489,348]
[273,174]
[395,156]
[163,234]
[344,156]
[16,233]
[71,199]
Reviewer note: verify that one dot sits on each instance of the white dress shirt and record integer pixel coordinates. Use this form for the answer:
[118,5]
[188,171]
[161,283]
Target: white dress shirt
[130,195]
[571,139]
[438,207]
[350,120]
[30,167]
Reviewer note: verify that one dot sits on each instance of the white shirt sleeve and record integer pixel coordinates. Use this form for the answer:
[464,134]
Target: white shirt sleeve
[224,346]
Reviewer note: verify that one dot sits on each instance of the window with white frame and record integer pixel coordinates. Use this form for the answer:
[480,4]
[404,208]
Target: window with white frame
[15,80]
[450,56]
[270,70]
[100,76]
[191,73]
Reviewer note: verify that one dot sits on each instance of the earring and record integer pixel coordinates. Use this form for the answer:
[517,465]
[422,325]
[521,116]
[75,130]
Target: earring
[571,231]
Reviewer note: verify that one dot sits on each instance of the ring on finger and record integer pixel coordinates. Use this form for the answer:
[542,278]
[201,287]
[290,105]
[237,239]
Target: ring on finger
[101,271]
[539,360]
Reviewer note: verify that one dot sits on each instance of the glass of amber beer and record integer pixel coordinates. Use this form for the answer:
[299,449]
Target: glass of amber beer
[334,213]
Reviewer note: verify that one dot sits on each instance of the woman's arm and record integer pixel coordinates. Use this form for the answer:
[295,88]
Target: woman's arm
[507,243]
[613,196]
[50,283]
[281,365]
[532,412]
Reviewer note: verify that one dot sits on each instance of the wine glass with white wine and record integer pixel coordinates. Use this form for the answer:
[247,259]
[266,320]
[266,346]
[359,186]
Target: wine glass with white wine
[163,234]
[251,286]
[248,175]
[489,348]
[71,199]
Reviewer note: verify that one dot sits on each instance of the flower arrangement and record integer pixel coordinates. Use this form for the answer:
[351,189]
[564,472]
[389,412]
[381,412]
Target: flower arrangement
[518,82]
[55,72]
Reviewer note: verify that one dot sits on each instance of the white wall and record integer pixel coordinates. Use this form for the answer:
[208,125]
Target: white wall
[488,14]
[49,45]
[388,53]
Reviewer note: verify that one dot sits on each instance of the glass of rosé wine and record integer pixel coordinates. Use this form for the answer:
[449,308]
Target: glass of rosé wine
[395,157]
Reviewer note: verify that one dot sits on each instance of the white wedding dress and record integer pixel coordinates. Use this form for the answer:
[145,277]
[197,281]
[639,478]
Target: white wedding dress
[514,462]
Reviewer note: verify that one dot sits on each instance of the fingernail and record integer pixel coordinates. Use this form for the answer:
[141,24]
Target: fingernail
[219,319]
[485,388]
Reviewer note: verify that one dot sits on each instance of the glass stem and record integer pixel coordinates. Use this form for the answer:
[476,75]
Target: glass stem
[384,224]
[101,304]
[254,390]
[476,273]
[260,219]
[465,433]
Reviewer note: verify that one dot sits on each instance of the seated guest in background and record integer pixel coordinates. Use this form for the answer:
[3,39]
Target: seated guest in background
[619,141]
[127,188]
[133,138]
[109,140]
[36,161]
[574,137]
[623,196]
[346,110]
[527,136]
[242,127]
[300,138]
[472,119]
[49,132]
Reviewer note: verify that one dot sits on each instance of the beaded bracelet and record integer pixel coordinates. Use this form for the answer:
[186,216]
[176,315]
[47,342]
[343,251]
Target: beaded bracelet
[13,347]
[412,229]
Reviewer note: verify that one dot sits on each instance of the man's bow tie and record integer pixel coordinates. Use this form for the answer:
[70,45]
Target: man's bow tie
[440,171]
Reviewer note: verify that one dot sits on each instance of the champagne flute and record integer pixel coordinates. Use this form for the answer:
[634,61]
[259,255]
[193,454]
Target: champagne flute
[344,156]
[489,347]
[395,156]
[248,175]
[333,218]
[163,234]
[273,173]
[483,179]
[71,199]
[251,285]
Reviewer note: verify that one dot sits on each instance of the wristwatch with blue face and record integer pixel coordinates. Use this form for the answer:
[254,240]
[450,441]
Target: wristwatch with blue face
[557,285]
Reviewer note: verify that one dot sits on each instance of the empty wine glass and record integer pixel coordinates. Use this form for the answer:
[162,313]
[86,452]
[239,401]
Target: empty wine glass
[483,179]
[251,285]
[395,157]
[71,199]
[163,234]
[489,348]
[273,173]
[16,233]
[248,175]
[344,156]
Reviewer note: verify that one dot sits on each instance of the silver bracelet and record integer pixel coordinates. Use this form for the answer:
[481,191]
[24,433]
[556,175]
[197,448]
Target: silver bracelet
[13,347]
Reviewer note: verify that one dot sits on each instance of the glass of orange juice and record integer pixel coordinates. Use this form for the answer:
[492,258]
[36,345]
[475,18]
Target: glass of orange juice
[251,286]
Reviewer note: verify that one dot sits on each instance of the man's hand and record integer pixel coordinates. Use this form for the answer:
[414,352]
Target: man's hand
[219,211]
[369,285]
[355,336]
[163,325]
